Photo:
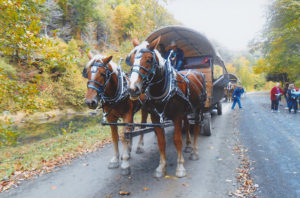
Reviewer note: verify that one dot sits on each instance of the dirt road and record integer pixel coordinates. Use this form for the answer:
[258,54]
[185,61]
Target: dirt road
[272,141]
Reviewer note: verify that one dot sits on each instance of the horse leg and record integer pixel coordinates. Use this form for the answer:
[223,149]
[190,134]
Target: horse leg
[114,162]
[161,169]
[194,154]
[125,166]
[180,170]
[186,130]
[140,146]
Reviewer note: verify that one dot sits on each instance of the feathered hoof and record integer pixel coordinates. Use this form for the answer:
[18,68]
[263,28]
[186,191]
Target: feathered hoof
[125,171]
[159,174]
[188,149]
[139,150]
[180,172]
[113,165]
[194,156]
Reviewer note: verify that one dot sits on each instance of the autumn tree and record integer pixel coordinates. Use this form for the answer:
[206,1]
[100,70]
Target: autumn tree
[20,27]
[280,42]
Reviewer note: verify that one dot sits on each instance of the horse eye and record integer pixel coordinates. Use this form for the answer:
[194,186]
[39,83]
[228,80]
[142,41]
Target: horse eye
[103,75]
[149,60]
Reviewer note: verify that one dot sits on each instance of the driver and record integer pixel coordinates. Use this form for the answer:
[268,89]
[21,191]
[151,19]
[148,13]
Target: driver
[177,56]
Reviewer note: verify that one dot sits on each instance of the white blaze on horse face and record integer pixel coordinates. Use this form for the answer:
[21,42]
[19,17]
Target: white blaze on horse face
[134,75]
[94,72]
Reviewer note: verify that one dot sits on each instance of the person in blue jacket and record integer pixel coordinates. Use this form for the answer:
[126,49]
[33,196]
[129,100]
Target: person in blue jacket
[176,57]
[238,91]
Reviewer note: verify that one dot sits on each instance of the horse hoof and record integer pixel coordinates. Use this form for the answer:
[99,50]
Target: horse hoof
[159,174]
[139,150]
[188,149]
[113,165]
[194,156]
[180,173]
[125,171]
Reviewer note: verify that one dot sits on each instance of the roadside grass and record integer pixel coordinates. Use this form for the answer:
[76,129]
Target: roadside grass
[34,156]
[22,162]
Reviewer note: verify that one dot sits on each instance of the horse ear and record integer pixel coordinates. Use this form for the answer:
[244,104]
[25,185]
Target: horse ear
[135,42]
[90,55]
[153,45]
[107,59]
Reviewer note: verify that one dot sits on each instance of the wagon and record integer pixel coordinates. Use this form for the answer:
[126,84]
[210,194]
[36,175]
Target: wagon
[233,80]
[199,54]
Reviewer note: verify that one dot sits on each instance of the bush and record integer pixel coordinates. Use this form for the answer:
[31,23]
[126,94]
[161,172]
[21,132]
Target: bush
[7,68]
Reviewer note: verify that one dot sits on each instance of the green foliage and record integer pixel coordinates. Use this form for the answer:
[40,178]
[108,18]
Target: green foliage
[15,96]
[281,40]
[20,27]
[64,84]
[8,137]
[79,12]
[7,68]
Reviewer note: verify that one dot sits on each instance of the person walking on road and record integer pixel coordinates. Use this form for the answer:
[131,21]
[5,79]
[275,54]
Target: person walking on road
[292,97]
[276,93]
[238,91]
[285,95]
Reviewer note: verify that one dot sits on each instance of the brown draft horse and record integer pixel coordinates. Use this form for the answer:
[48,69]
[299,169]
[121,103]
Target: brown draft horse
[109,84]
[172,95]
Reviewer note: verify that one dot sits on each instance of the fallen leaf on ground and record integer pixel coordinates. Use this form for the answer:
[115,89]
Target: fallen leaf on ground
[145,189]
[124,193]
[238,195]
[85,164]
[185,185]
[171,177]
[53,187]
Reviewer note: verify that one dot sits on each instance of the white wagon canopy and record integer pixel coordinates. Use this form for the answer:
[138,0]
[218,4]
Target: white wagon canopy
[193,43]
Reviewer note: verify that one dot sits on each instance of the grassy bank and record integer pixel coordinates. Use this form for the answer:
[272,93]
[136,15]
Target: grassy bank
[22,162]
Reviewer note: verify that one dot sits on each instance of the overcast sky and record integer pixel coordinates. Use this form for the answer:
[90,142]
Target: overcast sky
[233,23]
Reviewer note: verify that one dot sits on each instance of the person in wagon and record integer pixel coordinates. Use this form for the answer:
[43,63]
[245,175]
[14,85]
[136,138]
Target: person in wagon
[238,91]
[176,57]
[276,93]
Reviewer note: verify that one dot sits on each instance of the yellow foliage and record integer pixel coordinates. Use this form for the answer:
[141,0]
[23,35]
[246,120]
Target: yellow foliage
[230,68]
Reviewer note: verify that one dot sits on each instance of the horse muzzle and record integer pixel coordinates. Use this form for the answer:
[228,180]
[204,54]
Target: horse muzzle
[92,104]
[134,93]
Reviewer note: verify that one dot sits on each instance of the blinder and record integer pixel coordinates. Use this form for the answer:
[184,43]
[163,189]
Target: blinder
[101,87]
[84,73]
[147,78]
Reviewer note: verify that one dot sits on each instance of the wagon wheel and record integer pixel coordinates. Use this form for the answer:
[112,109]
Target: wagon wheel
[219,108]
[206,127]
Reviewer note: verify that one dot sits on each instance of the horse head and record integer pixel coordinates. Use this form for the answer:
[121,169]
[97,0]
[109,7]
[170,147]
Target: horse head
[98,71]
[145,60]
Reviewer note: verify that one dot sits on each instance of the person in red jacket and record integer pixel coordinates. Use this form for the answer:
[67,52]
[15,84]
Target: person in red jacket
[276,93]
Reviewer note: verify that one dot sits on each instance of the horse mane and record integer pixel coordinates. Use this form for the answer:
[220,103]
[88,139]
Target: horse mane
[99,57]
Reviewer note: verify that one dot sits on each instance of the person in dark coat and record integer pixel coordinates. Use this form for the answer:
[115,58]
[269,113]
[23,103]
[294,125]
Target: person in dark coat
[293,94]
[176,57]
[276,93]
[285,95]
[238,91]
